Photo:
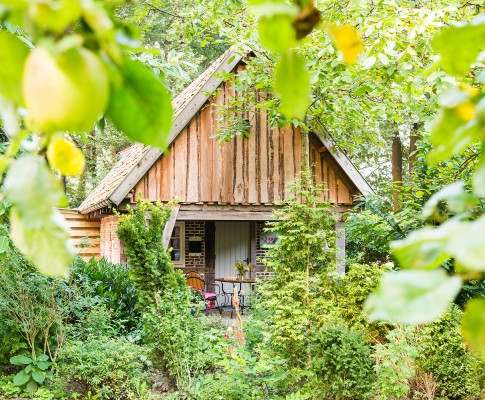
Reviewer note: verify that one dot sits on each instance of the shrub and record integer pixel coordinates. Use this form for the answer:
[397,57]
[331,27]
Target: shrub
[111,284]
[342,363]
[112,368]
[151,268]
[396,364]
[446,357]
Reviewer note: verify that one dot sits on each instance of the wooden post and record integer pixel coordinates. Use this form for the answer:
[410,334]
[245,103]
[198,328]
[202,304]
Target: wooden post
[167,231]
[340,245]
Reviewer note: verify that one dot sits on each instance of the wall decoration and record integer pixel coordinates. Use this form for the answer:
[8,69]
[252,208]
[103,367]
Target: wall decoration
[268,239]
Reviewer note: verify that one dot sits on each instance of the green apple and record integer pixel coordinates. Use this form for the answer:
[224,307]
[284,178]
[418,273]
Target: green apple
[65,93]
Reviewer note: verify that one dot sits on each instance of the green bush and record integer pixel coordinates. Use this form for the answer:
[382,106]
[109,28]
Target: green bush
[112,368]
[342,364]
[111,284]
[396,363]
[446,357]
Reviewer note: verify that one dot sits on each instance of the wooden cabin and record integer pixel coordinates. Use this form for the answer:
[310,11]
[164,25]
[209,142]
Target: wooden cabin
[226,192]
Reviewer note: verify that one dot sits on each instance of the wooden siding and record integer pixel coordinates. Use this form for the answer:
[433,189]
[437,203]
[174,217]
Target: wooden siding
[196,169]
[84,234]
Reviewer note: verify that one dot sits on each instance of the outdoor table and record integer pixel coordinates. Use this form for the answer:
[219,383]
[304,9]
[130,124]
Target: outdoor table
[227,305]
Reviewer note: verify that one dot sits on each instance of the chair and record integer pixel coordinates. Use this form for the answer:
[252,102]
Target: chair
[197,283]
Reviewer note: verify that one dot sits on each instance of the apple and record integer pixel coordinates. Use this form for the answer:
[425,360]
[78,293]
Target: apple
[65,93]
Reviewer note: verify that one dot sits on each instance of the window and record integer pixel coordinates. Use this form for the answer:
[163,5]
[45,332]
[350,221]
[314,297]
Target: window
[177,243]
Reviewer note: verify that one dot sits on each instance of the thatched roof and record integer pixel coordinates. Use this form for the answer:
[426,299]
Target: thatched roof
[137,159]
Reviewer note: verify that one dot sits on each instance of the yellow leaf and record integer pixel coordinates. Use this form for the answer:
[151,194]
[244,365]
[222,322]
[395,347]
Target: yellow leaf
[65,156]
[347,40]
[466,110]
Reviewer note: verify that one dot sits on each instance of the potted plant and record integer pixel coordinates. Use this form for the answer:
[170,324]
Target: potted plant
[240,267]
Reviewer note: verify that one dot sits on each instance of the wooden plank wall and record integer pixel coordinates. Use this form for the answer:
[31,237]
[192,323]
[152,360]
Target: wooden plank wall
[196,169]
[324,173]
[84,234]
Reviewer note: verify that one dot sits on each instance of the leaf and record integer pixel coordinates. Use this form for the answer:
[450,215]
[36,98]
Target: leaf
[412,297]
[13,53]
[452,97]
[21,378]
[141,107]
[292,85]
[466,111]
[276,32]
[459,47]
[425,248]
[458,199]
[20,360]
[33,189]
[3,244]
[38,376]
[46,245]
[65,156]
[348,41]
[55,16]
[43,357]
[43,365]
[473,325]
[32,386]
[467,246]
[479,178]
[450,135]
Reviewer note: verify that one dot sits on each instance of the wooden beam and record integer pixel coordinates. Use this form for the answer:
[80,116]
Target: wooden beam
[344,162]
[167,231]
[225,216]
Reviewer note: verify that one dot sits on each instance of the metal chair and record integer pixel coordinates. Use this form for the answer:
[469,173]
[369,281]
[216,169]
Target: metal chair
[197,283]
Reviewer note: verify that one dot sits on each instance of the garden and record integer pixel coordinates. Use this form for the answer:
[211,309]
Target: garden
[397,85]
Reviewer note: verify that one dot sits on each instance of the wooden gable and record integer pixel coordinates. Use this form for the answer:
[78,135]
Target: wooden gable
[196,169]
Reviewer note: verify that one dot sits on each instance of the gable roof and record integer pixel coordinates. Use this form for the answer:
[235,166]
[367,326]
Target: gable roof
[135,161]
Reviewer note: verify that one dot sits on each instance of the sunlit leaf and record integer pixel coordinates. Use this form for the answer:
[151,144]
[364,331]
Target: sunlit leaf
[13,54]
[33,189]
[65,156]
[458,199]
[412,297]
[425,248]
[141,107]
[292,85]
[459,47]
[348,41]
[47,245]
[450,135]
[473,325]
[3,244]
[55,16]
[276,33]
[466,111]
[479,178]
[467,245]
[452,97]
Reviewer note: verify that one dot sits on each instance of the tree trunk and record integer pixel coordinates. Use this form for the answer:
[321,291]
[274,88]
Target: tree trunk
[396,161]
[413,138]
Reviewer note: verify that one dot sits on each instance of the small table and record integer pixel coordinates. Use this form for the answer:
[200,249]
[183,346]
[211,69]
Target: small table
[227,305]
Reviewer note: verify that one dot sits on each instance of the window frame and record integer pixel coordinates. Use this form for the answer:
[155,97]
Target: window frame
[181,261]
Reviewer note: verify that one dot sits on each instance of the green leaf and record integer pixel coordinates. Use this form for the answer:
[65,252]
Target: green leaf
[55,16]
[292,85]
[3,244]
[452,97]
[473,325]
[467,246]
[43,365]
[21,378]
[459,47]
[33,189]
[450,135]
[458,200]
[13,53]
[38,376]
[141,107]
[46,245]
[32,386]
[20,360]
[277,33]
[412,297]
[425,248]
[43,357]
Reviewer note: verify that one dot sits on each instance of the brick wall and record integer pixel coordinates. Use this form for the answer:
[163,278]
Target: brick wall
[110,246]
[194,262]
[260,252]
